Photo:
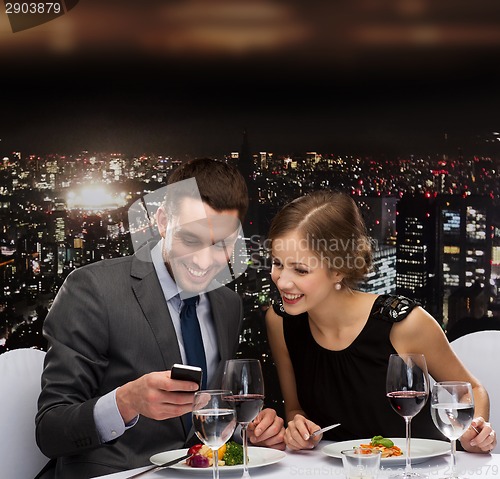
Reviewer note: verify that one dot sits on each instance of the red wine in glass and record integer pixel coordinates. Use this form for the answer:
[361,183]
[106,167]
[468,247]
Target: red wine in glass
[243,377]
[407,388]
[247,406]
[407,403]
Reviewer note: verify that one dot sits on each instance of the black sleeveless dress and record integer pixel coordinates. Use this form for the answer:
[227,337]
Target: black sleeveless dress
[348,386]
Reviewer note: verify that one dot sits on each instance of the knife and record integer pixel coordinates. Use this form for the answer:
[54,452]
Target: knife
[323,429]
[161,466]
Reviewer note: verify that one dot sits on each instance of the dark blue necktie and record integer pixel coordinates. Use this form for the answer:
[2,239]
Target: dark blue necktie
[191,336]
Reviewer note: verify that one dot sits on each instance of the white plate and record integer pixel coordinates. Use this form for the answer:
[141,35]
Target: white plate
[421,449]
[257,457]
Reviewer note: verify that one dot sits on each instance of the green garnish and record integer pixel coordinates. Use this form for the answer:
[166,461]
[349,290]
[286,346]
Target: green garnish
[234,454]
[381,441]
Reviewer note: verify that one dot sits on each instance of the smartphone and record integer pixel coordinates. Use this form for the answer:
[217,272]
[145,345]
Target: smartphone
[183,372]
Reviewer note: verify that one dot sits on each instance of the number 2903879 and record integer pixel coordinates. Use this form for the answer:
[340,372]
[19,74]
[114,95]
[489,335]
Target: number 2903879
[33,7]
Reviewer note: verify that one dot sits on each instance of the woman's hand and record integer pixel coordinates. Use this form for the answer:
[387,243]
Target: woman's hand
[267,429]
[298,431]
[483,441]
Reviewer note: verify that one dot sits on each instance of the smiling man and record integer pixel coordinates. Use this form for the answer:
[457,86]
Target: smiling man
[117,327]
[198,240]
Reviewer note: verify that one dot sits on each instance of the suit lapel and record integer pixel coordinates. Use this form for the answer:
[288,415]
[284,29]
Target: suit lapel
[220,322]
[147,290]
[150,297]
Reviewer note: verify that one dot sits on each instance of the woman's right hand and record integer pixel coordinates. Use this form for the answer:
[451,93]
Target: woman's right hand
[298,431]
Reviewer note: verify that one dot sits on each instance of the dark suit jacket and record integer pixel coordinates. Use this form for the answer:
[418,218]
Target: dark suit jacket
[110,324]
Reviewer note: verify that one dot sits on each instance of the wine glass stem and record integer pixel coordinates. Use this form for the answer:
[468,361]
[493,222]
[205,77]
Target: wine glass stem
[453,458]
[215,464]
[245,450]
[408,453]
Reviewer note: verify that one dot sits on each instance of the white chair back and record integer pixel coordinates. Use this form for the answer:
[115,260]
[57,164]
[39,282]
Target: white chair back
[20,384]
[480,353]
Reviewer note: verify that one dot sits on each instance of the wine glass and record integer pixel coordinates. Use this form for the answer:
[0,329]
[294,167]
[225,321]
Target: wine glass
[214,421]
[244,378]
[407,388]
[452,410]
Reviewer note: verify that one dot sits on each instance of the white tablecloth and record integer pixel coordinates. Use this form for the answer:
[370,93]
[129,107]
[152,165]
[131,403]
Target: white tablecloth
[317,465]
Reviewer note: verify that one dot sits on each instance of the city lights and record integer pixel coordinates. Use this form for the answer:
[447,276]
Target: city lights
[95,198]
[436,236]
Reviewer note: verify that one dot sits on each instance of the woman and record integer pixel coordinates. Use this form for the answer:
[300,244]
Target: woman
[331,343]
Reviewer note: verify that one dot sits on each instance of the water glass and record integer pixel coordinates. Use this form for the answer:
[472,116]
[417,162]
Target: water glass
[452,410]
[214,421]
[361,463]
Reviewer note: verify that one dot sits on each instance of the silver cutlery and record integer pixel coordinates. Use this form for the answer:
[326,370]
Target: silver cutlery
[161,466]
[323,429]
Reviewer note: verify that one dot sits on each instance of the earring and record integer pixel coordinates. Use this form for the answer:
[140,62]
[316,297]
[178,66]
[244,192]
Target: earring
[338,286]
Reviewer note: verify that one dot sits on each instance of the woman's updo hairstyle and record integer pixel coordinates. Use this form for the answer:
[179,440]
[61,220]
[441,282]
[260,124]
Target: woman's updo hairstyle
[334,230]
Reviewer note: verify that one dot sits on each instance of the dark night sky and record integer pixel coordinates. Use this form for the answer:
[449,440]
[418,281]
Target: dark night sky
[154,113]
[112,95]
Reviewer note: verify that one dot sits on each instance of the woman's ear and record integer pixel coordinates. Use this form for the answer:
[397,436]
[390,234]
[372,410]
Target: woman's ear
[161,221]
[336,277]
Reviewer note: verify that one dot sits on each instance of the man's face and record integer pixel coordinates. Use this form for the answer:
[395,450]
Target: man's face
[198,242]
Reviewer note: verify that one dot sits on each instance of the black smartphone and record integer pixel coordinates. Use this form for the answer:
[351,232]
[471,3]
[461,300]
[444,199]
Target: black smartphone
[183,372]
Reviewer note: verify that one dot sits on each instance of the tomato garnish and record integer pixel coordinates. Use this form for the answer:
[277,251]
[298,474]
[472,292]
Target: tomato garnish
[195,449]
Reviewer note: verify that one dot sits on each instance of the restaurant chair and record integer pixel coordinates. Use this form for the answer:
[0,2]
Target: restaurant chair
[20,383]
[480,352]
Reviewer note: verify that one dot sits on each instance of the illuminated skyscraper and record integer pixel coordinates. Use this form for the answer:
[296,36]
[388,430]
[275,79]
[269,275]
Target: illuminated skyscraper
[382,279]
[464,250]
[379,214]
[247,168]
[444,244]
[415,259]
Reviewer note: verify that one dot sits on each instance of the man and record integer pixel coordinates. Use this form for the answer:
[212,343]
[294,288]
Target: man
[107,401]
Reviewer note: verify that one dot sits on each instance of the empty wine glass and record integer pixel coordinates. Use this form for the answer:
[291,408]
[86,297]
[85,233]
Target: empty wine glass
[244,378]
[407,388]
[214,421]
[452,410]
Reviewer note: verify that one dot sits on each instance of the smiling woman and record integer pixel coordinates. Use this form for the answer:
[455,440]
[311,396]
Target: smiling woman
[331,342]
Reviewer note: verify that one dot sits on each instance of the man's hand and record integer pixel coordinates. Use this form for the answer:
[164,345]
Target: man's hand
[155,395]
[267,430]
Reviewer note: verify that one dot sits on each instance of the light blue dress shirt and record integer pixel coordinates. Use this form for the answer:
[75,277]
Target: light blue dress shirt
[108,420]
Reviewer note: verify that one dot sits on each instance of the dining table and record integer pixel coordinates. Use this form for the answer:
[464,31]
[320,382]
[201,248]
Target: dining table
[316,463]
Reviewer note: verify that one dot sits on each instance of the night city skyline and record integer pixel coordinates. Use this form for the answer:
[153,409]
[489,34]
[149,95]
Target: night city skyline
[59,212]
[63,211]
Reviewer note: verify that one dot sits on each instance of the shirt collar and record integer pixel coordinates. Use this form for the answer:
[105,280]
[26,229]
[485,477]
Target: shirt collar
[170,288]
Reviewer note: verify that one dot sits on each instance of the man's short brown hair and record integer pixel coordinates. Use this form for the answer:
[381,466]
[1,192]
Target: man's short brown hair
[221,186]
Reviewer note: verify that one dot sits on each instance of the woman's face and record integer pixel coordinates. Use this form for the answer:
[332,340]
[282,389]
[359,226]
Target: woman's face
[303,279]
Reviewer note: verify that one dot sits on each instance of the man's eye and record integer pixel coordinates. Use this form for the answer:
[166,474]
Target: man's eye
[190,241]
